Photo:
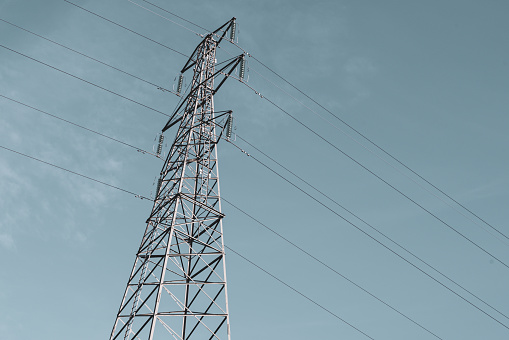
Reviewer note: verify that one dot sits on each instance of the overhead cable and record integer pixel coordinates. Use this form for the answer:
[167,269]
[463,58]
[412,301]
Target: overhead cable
[380,148]
[82,127]
[165,10]
[394,167]
[377,176]
[367,234]
[329,267]
[89,57]
[76,173]
[130,30]
[351,213]
[86,81]
[295,290]
[176,23]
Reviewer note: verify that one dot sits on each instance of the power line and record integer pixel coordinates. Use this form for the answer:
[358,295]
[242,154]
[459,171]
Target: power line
[377,176]
[374,239]
[353,214]
[165,10]
[201,35]
[86,81]
[98,86]
[388,163]
[198,34]
[329,267]
[298,292]
[130,30]
[82,127]
[76,173]
[101,62]
[89,57]
[245,258]
[378,146]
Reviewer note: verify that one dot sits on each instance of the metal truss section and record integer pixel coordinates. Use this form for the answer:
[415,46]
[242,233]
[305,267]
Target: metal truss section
[177,287]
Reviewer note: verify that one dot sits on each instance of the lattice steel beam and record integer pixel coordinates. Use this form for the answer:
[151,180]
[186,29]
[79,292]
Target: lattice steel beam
[177,287]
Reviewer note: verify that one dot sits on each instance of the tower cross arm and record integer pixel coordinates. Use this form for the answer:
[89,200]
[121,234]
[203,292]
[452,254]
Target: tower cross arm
[225,71]
[225,28]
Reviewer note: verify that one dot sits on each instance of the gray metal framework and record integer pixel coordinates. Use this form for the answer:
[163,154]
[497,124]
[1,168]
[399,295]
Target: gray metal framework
[177,288]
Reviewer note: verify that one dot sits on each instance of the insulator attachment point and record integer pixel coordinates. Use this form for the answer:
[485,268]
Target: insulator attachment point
[160,144]
[242,70]
[229,126]
[233,29]
[181,81]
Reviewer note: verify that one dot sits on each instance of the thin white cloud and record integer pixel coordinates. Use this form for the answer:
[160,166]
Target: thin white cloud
[7,241]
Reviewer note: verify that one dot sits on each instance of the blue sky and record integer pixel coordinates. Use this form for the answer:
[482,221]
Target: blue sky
[427,81]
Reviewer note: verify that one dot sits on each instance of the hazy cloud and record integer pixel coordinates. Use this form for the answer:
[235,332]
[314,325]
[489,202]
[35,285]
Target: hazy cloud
[6,241]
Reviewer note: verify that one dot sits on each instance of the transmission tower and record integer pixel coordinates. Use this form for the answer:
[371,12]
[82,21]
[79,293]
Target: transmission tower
[177,287]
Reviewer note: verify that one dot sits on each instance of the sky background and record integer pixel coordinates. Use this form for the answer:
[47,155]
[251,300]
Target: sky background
[426,80]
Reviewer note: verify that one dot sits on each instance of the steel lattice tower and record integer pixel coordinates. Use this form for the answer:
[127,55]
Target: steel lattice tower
[177,287]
